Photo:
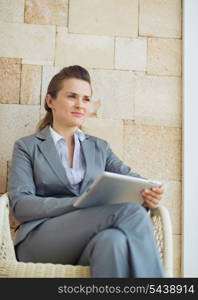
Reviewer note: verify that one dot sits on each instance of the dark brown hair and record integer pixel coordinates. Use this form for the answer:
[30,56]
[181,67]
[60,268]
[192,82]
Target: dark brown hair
[55,86]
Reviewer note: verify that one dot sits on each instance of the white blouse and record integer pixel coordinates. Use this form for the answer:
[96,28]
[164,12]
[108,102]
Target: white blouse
[76,173]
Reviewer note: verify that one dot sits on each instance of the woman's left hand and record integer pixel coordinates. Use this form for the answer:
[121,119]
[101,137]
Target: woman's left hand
[152,196]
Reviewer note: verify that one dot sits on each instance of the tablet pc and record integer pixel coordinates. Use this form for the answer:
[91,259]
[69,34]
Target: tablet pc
[112,188]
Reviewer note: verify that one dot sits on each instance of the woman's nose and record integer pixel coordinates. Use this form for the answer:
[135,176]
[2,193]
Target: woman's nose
[79,102]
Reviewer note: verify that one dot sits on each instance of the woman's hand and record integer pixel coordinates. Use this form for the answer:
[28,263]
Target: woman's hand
[152,196]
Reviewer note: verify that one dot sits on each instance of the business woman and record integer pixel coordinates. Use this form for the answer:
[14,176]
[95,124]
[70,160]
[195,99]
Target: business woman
[51,168]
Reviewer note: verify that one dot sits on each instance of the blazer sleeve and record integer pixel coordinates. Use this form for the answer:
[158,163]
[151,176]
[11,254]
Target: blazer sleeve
[115,165]
[25,203]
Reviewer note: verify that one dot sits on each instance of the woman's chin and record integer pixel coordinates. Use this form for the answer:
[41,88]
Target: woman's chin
[75,123]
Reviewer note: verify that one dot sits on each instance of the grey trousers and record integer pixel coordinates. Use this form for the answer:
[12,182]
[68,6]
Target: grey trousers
[115,240]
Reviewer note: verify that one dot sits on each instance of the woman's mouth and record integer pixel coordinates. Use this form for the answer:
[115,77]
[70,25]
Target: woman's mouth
[78,114]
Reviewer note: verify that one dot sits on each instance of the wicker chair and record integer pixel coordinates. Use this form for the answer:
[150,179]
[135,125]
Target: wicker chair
[10,267]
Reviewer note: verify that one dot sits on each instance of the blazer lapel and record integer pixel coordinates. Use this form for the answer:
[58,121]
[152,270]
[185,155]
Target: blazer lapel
[88,150]
[48,149]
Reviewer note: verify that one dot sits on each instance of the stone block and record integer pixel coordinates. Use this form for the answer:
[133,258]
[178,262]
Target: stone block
[47,12]
[30,84]
[26,118]
[164,57]
[27,41]
[115,89]
[160,18]
[158,101]
[86,50]
[112,17]
[12,11]
[153,151]
[10,80]
[131,54]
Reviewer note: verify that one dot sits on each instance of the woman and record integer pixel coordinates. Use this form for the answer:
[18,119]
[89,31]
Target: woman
[51,168]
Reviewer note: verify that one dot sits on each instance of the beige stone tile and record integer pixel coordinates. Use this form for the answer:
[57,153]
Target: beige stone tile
[160,18]
[101,17]
[30,84]
[10,80]
[164,57]
[85,50]
[153,151]
[26,117]
[115,90]
[172,200]
[158,100]
[109,130]
[177,252]
[28,41]
[12,11]
[131,54]
[47,12]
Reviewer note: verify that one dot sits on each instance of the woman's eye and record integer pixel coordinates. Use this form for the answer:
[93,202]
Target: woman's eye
[85,99]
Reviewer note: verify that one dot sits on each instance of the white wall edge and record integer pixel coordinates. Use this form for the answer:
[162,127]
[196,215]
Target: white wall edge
[190,140]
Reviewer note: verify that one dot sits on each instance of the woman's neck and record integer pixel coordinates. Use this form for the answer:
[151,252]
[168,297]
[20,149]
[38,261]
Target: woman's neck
[66,132]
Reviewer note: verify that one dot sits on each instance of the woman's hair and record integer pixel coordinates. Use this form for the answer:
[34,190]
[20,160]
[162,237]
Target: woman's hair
[55,86]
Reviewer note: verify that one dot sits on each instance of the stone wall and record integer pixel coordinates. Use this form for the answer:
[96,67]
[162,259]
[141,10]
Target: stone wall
[132,49]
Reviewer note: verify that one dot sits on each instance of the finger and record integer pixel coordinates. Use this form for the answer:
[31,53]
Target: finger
[152,194]
[148,192]
[152,200]
[151,204]
[159,189]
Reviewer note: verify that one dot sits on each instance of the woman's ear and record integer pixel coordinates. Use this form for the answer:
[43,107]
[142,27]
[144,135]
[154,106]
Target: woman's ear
[48,100]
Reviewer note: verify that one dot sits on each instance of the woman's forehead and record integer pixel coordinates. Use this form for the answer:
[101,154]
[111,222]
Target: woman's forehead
[77,86]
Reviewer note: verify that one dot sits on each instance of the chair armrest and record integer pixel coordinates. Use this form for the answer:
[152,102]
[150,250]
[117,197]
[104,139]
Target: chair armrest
[163,233]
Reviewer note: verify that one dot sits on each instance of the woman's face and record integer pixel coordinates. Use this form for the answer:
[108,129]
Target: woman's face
[72,104]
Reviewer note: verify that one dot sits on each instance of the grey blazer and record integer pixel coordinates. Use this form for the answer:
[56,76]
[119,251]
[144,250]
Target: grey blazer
[38,187]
